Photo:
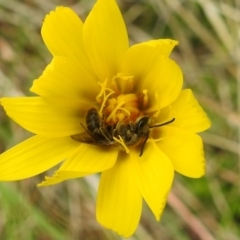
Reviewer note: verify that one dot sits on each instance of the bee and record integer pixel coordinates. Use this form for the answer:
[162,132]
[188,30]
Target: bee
[97,132]
[132,133]
[136,133]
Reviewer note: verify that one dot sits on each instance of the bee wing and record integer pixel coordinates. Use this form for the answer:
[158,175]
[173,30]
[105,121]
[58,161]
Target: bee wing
[86,138]
[83,137]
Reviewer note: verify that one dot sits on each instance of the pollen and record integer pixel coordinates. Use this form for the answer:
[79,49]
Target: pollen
[123,106]
[118,101]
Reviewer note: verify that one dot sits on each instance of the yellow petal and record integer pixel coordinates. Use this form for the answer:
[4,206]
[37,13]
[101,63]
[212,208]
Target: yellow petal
[140,58]
[188,113]
[59,177]
[154,173]
[87,159]
[49,120]
[33,156]
[184,149]
[62,32]
[67,78]
[90,158]
[119,202]
[165,81]
[152,70]
[105,38]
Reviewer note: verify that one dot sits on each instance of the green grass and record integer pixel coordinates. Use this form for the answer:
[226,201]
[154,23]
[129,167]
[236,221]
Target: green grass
[209,55]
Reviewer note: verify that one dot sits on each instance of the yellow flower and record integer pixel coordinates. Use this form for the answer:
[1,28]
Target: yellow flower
[103,106]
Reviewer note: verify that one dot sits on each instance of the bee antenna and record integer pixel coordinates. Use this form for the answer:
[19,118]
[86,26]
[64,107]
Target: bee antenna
[162,124]
[143,144]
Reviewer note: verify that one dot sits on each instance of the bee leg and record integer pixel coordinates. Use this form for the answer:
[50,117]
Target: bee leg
[105,134]
[143,145]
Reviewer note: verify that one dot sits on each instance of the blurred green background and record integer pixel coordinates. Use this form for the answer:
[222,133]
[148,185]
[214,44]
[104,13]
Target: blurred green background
[208,53]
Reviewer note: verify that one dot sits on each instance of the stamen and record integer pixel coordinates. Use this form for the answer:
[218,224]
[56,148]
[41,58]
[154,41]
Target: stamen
[145,98]
[114,111]
[120,117]
[131,97]
[114,86]
[103,89]
[123,82]
[120,141]
[125,110]
[104,102]
[103,95]
[133,110]
[155,115]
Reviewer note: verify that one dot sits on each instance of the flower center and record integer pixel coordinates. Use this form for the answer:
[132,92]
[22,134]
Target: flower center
[118,102]
[122,116]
